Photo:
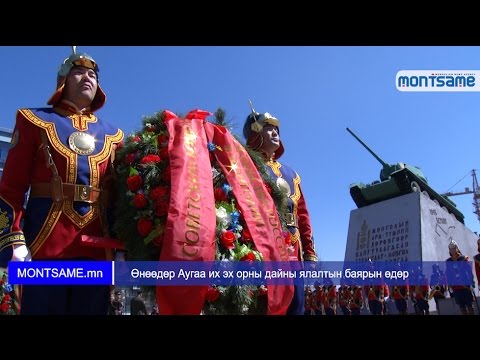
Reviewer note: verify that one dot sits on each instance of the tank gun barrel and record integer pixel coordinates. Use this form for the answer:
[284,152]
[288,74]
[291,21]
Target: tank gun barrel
[384,164]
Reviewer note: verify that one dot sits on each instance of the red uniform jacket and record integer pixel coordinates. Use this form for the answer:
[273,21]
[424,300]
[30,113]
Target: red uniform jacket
[54,229]
[476,258]
[344,296]
[298,218]
[357,297]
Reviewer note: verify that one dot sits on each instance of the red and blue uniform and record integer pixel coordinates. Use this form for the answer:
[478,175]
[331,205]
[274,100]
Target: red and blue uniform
[330,304]
[476,259]
[400,295]
[53,230]
[297,216]
[357,299]
[297,221]
[420,290]
[344,299]
[376,298]
[461,293]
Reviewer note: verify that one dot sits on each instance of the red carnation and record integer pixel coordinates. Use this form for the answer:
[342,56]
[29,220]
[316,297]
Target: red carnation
[158,193]
[136,139]
[6,298]
[228,239]
[134,182]
[212,294]
[246,236]
[119,146]
[288,237]
[219,194]
[249,257]
[149,159]
[140,201]
[4,307]
[161,208]
[144,226]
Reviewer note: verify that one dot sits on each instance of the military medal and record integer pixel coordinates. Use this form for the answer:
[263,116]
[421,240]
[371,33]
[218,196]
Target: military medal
[81,143]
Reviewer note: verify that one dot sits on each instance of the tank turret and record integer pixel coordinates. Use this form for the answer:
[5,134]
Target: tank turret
[396,180]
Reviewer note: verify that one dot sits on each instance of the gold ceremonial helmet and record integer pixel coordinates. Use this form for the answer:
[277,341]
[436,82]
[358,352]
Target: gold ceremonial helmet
[452,244]
[68,64]
[253,127]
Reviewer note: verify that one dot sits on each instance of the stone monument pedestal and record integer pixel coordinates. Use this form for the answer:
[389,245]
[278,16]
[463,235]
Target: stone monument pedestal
[410,227]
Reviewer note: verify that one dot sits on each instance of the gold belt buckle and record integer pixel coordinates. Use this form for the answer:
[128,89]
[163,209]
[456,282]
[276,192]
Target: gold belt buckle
[83,193]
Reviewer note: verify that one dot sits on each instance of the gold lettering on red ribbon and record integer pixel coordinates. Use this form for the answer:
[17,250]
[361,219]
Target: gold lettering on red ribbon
[272,218]
[191,237]
[194,197]
[278,233]
[246,189]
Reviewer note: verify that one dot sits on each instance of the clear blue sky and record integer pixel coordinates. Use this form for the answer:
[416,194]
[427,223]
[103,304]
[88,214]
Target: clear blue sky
[316,92]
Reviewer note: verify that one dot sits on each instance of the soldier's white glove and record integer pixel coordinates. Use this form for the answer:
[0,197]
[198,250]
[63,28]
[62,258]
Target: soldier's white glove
[21,253]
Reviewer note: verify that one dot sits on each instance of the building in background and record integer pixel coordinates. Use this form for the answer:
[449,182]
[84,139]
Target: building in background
[5,137]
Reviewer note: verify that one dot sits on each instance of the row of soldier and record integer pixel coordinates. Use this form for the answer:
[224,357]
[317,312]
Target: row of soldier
[351,299]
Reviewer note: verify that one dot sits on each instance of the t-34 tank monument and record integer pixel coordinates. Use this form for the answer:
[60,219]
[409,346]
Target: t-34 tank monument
[402,219]
[397,180]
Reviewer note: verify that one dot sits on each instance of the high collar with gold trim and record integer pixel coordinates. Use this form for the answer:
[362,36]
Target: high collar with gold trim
[68,108]
[80,119]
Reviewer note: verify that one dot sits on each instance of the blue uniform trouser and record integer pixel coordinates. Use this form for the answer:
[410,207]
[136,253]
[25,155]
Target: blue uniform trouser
[463,297]
[297,306]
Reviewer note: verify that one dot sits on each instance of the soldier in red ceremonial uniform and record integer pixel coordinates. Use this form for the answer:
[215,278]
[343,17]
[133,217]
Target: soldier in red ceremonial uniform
[262,133]
[357,299]
[462,293]
[376,298]
[64,155]
[438,286]
[308,301]
[399,292]
[318,298]
[476,258]
[376,290]
[420,289]
[400,295]
[330,299]
[386,294]
[344,299]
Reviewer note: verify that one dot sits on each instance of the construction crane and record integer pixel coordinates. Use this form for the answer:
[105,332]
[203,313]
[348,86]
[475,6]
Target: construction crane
[475,191]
